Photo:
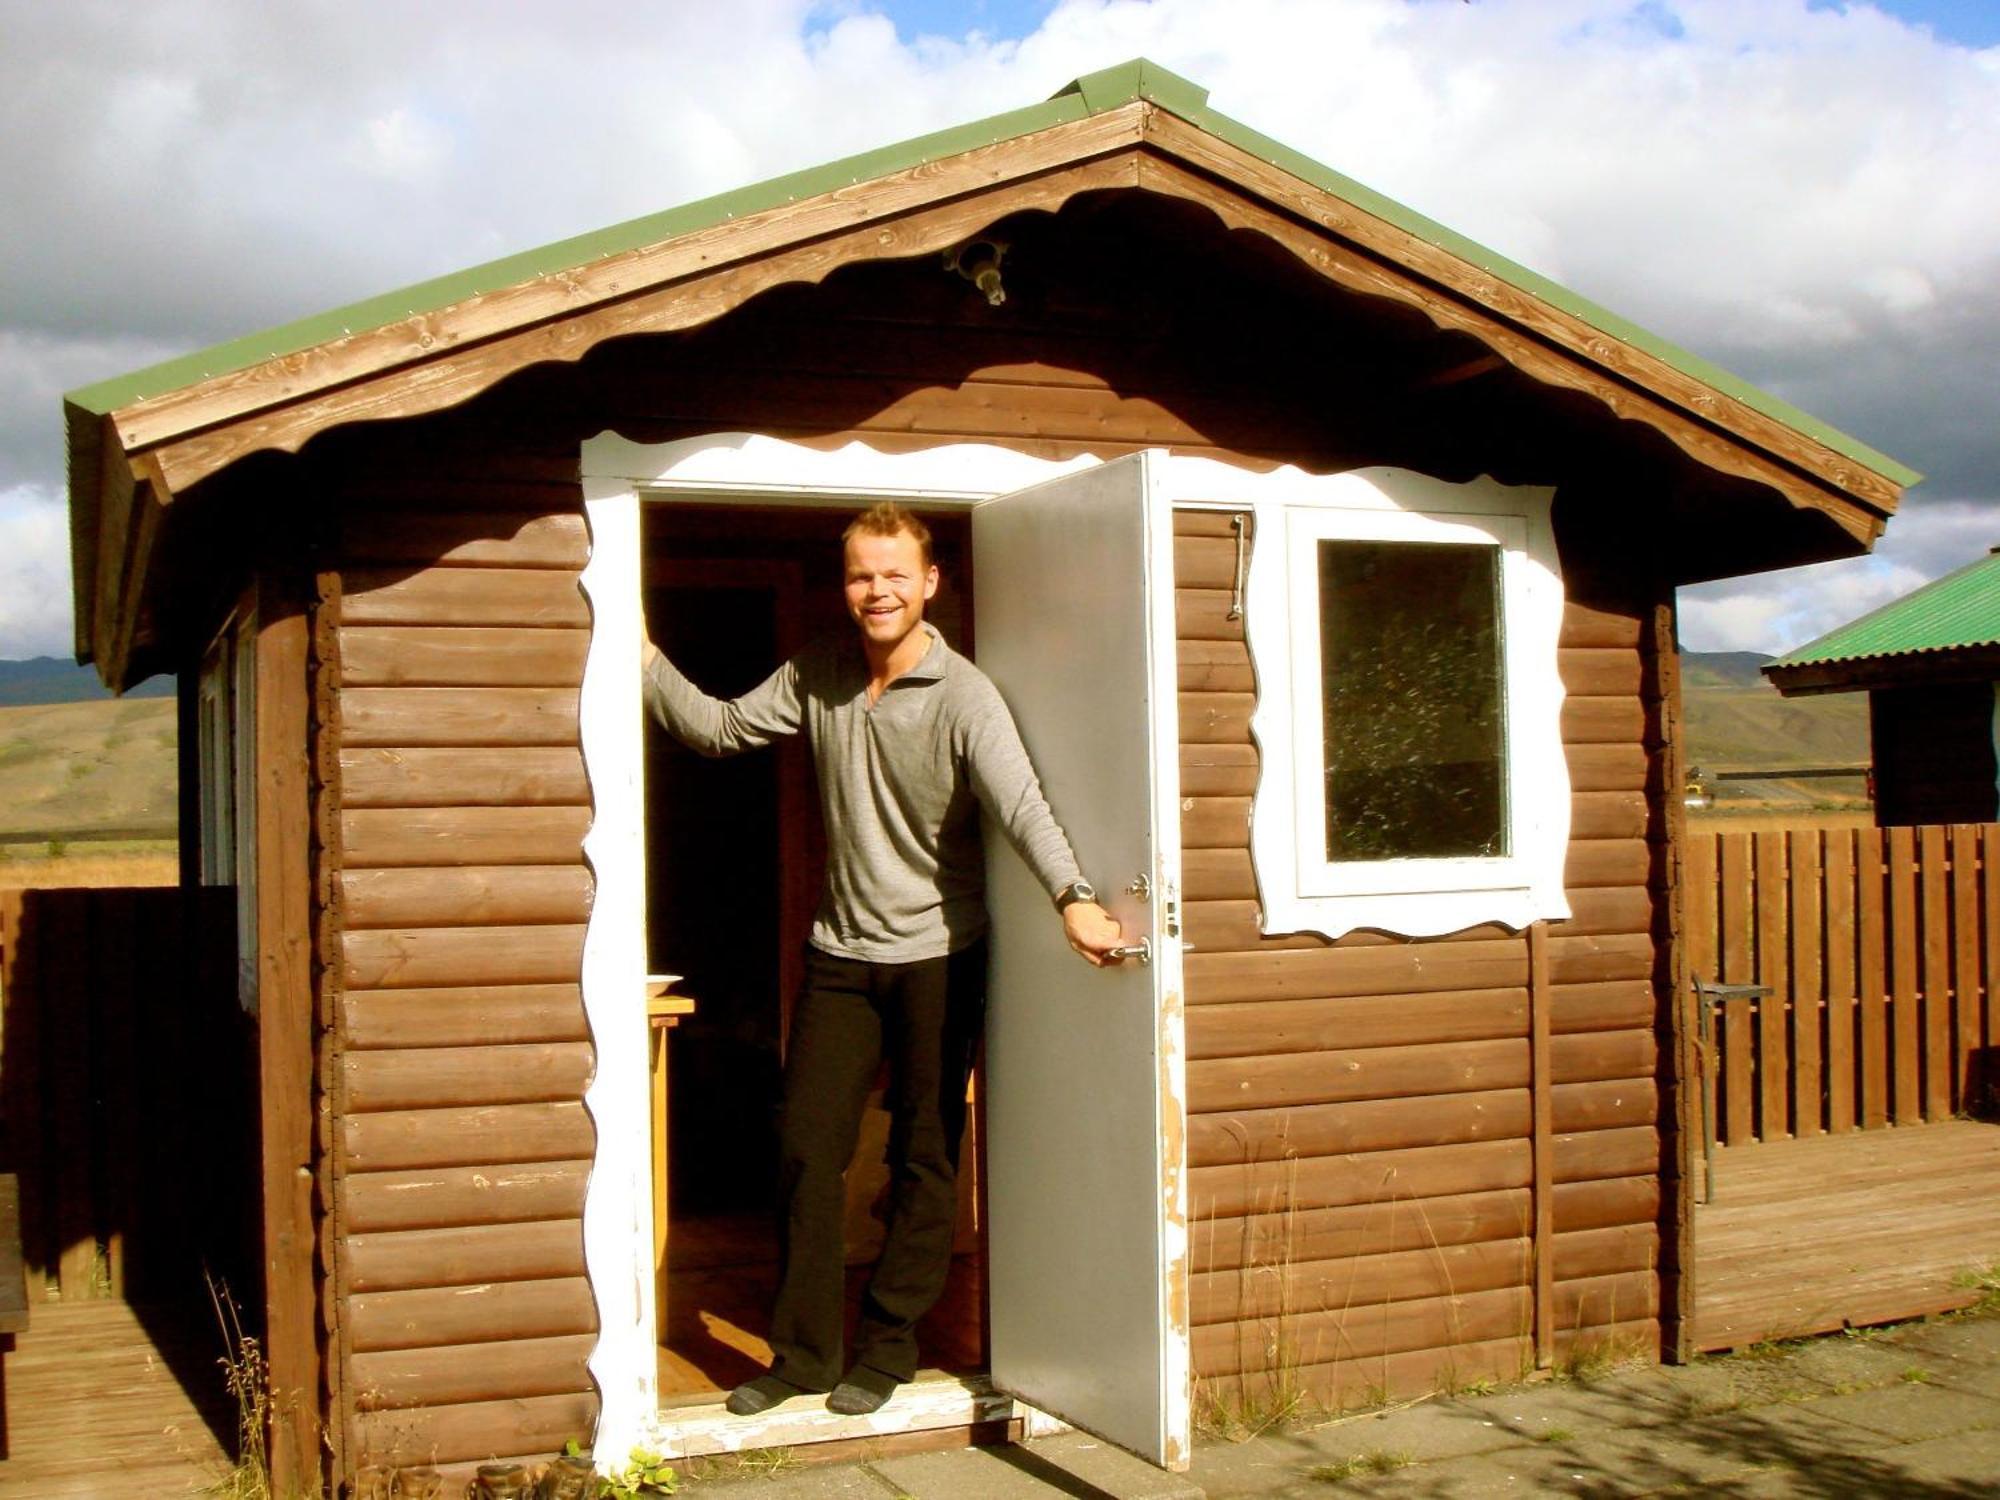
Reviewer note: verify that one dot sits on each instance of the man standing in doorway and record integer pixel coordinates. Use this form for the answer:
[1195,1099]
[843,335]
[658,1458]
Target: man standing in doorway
[910,740]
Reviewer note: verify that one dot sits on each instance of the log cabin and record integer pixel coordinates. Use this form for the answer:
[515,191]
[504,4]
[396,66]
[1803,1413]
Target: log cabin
[1327,560]
[1930,664]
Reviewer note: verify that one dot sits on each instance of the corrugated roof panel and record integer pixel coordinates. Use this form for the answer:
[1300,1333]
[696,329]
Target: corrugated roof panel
[1958,610]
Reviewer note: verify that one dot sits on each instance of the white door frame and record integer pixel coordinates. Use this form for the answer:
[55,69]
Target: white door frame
[618,477]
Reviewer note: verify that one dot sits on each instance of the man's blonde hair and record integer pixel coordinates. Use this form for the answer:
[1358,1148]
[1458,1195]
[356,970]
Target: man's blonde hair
[889,519]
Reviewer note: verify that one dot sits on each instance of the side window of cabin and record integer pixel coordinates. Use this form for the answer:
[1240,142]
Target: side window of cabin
[1409,708]
[227,697]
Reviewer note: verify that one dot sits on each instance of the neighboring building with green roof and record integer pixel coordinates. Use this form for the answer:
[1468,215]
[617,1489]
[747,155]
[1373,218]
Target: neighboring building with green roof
[1930,664]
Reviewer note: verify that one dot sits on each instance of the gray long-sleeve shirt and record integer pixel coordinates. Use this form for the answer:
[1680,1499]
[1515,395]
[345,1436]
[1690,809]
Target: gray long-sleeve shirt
[900,783]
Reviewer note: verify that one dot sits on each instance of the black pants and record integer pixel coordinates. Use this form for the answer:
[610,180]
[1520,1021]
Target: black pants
[926,1018]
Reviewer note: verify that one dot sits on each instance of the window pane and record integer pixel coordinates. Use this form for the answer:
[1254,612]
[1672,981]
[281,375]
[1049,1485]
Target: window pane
[1410,656]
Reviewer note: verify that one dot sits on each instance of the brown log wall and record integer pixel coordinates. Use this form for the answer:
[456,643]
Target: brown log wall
[452,810]
[1363,1114]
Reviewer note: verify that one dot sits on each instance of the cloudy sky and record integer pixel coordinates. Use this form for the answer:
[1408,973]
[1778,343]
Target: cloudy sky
[1806,191]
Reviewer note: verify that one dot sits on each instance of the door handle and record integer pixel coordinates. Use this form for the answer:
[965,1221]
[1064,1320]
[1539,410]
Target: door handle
[1141,950]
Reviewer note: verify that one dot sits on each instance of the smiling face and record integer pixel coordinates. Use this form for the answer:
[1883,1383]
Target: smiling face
[887,584]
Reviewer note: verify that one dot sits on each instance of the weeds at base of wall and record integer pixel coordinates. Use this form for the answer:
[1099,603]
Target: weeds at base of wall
[1986,1282]
[248,1379]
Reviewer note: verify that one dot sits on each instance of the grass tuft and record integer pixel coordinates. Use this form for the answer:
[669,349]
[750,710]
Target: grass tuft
[1355,1466]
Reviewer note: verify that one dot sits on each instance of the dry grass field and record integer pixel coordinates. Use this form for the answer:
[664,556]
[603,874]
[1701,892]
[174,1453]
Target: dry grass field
[72,770]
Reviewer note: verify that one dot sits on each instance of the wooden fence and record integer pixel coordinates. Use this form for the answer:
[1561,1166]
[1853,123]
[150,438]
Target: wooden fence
[1881,950]
[125,1106]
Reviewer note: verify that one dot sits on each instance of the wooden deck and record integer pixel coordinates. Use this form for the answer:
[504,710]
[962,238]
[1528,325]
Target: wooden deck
[101,1398]
[1833,1231]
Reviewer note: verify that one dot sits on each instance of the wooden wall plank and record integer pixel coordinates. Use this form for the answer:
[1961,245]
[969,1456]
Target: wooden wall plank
[461,656]
[1871,943]
[478,1313]
[1595,1202]
[464,1017]
[1606,767]
[1301,1288]
[1989,849]
[1773,969]
[504,776]
[1220,1135]
[437,1077]
[474,1430]
[451,837]
[462,1255]
[1318,1025]
[458,716]
[1362,1177]
[509,1369]
[1371,1073]
[1967,1031]
[515,895]
[452,1196]
[1357,1334]
[462,957]
[1842,994]
[1805,864]
[1905,999]
[508,597]
[1542,1136]
[1322,1234]
[435,536]
[1935,885]
[413,1139]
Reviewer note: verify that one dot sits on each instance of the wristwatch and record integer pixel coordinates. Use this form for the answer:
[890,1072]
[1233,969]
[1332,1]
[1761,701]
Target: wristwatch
[1076,890]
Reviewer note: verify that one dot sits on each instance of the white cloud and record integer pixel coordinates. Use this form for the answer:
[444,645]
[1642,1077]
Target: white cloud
[1808,196]
[34,574]
[1776,612]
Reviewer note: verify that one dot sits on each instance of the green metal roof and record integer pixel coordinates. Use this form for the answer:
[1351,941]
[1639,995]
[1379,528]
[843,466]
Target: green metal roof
[1092,94]
[1950,613]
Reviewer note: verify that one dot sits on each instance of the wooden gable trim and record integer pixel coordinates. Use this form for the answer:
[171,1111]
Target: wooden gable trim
[1541,340]
[560,298]
[132,496]
[452,378]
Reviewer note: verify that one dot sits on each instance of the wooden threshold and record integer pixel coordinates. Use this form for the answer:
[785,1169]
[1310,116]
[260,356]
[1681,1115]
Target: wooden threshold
[934,1400]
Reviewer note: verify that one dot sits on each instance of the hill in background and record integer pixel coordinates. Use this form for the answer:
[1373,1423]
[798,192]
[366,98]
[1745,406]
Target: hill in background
[1737,721]
[55,679]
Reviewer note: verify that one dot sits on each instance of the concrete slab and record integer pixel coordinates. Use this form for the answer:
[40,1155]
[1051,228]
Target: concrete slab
[1976,1340]
[1966,1463]
[1913,1413]
[1640,1399]
[1848,1364]
[1430,1430]
[1533,1469]
[1723,1385]
[1073,1464]
[804,1482]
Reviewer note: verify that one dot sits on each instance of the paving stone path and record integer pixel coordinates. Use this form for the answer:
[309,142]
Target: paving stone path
[1907,1413]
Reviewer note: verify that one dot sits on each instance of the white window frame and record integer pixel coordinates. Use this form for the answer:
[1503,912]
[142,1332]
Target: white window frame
[1299,889]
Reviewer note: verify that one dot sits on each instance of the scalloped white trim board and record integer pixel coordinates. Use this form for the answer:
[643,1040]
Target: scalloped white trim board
[618,476]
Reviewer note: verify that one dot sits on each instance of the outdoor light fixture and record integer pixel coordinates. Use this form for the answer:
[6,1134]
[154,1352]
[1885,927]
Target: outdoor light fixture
[978,261]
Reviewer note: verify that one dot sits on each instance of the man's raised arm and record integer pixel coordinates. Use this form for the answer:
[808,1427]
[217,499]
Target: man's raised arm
[719,726]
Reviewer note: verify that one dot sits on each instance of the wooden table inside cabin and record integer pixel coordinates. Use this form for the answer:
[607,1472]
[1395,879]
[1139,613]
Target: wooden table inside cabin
[663,1013]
